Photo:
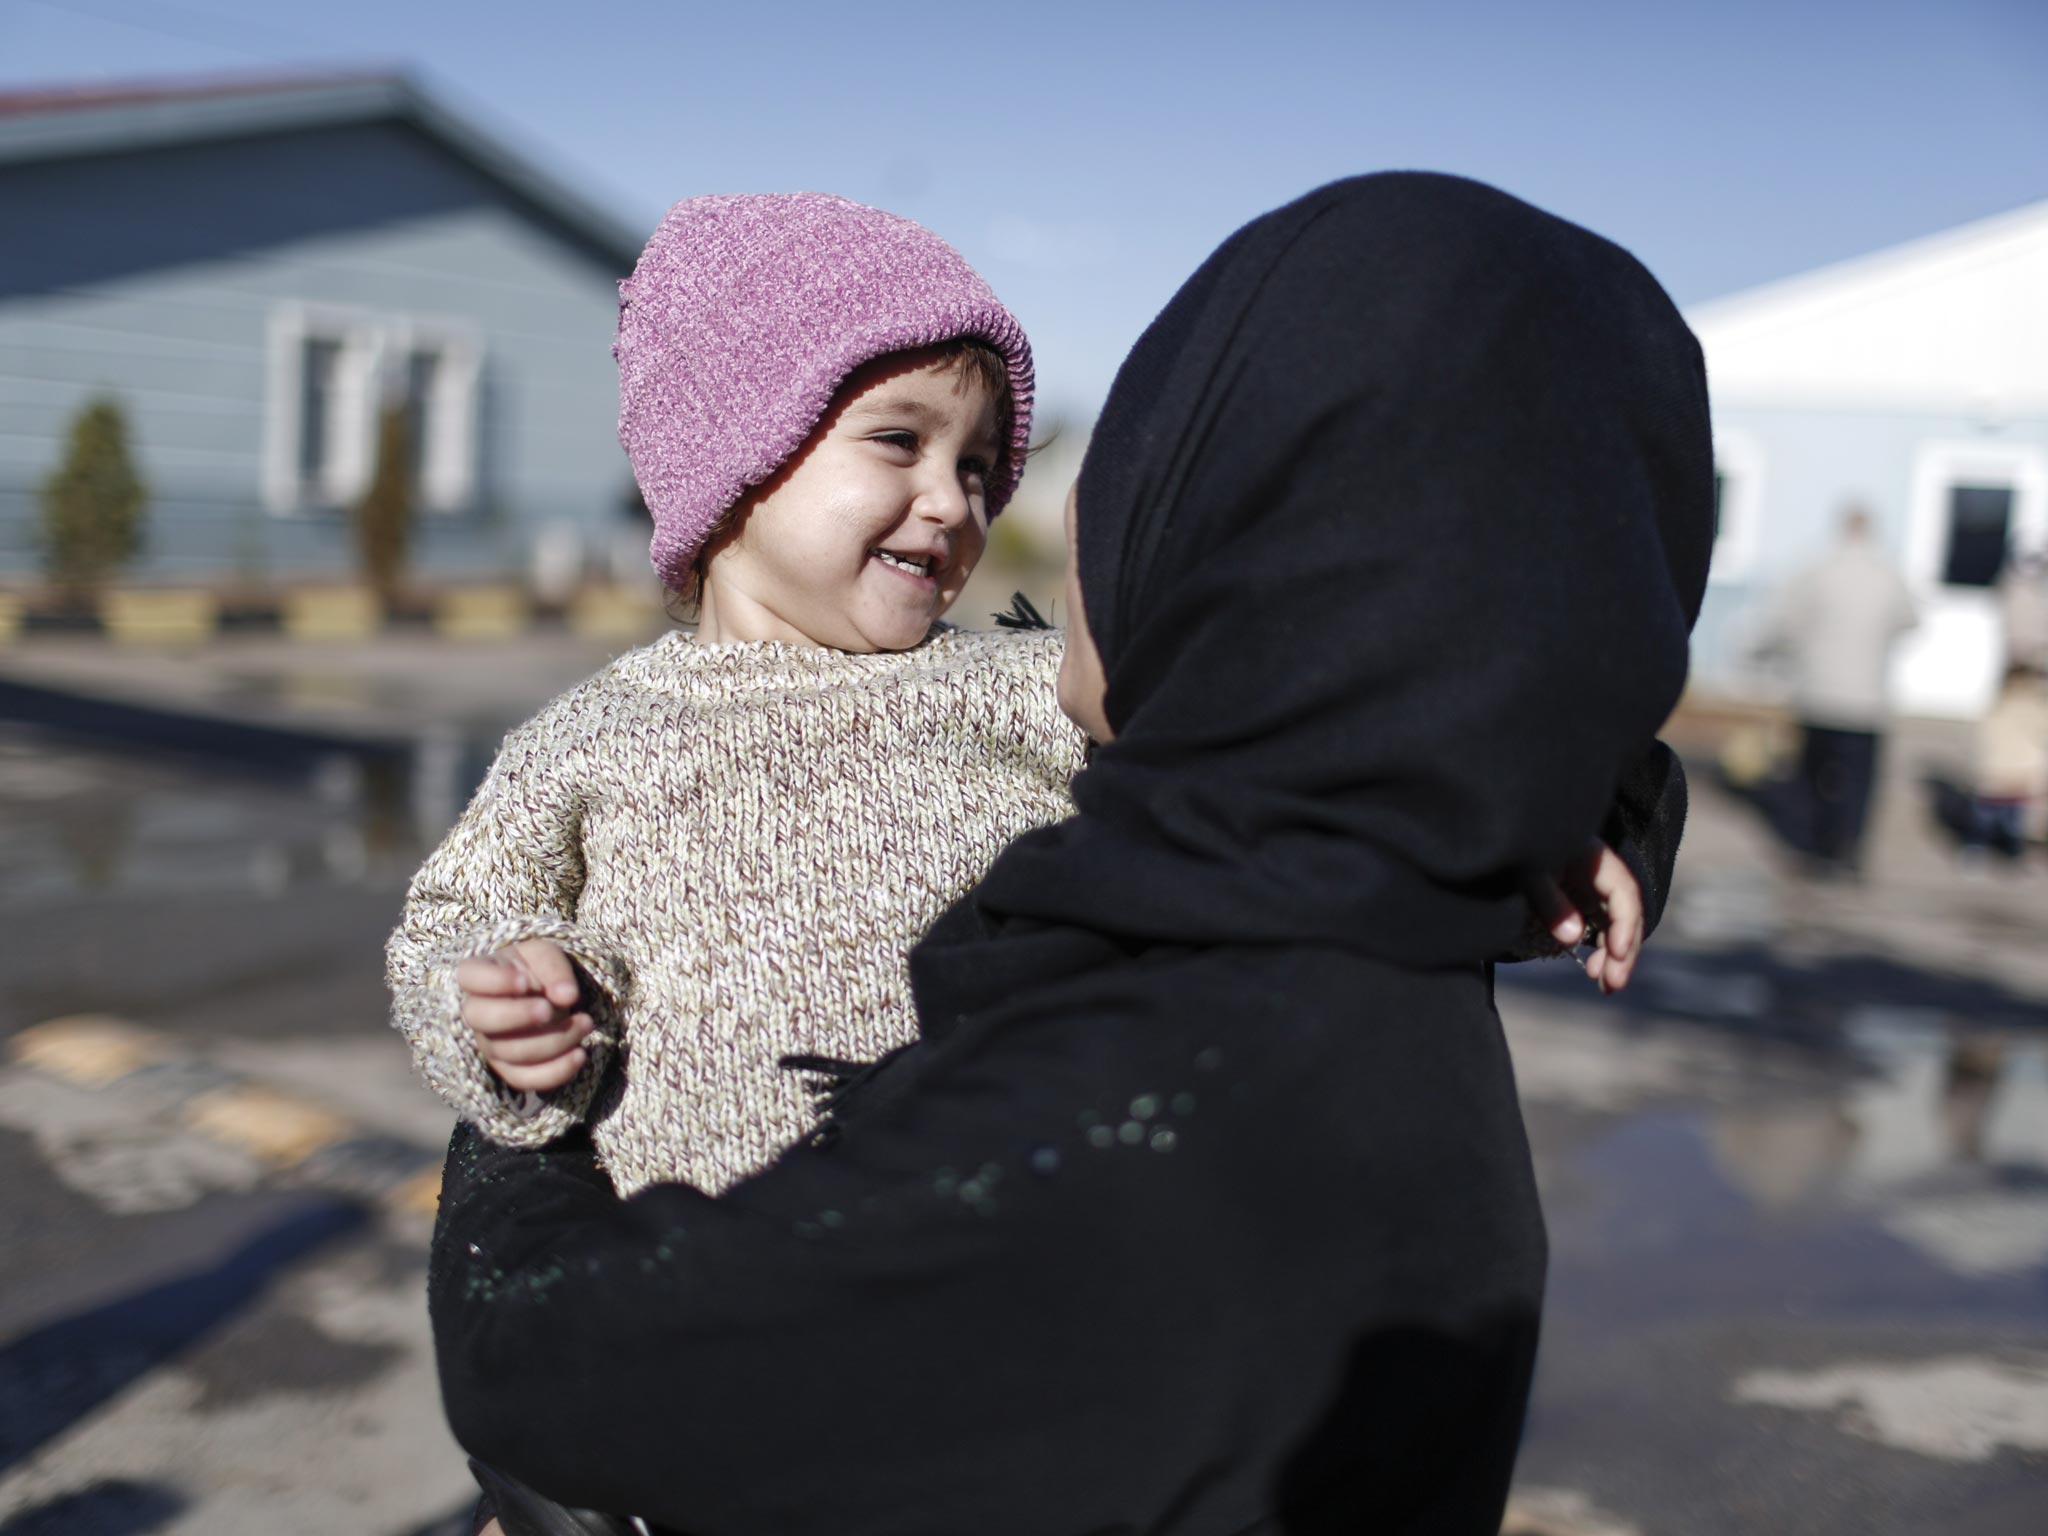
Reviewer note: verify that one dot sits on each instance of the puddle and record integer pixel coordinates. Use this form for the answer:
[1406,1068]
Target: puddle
[1910,1176]
[310,690]
[80,820]
[1797,1198]
[1658,1228]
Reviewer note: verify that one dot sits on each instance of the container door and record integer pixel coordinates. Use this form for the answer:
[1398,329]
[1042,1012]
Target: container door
[1971,504]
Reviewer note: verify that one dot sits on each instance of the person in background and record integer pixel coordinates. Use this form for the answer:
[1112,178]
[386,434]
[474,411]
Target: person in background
[2011,770]
[1835,624]
[2023,609]
[2007,800]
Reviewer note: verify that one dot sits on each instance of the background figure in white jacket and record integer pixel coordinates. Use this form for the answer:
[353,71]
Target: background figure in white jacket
[1835,624]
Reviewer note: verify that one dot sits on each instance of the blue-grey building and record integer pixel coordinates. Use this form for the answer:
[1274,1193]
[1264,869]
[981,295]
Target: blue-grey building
[252,269]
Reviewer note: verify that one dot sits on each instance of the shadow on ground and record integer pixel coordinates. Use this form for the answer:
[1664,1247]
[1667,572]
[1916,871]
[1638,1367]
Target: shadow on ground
[1754,992]
[116,1507]
[55,1376]
[455,1523]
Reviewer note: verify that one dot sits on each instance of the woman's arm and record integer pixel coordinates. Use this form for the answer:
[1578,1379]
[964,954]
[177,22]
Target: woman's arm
[792,1357]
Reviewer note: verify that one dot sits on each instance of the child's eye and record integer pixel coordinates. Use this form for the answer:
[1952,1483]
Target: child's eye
[907,441]
[978,468]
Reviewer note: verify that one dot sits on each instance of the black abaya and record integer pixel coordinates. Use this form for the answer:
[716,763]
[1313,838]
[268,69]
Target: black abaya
[1203,1205]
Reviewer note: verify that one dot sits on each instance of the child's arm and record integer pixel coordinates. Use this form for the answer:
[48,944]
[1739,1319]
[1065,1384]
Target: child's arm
[1598,900]
[509,872]
[1646,823]
[1623,878]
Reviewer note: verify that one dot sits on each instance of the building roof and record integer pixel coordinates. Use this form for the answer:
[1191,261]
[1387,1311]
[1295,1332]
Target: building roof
[98,119]
[1953,323]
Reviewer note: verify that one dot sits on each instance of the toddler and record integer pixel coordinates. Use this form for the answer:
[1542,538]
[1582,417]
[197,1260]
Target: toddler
[719,850]
[2012,766]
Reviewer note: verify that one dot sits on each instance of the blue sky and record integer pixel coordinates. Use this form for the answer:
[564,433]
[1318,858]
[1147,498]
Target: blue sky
[1087,155]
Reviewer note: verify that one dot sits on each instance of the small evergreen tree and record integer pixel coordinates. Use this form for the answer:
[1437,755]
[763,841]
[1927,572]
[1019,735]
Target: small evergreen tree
[384,516]
[93,503]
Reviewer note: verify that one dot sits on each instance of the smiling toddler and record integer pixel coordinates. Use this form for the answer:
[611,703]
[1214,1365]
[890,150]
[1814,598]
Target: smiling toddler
[717,853]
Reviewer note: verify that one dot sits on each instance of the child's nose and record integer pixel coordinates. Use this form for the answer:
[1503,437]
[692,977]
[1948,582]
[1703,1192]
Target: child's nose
[946,503]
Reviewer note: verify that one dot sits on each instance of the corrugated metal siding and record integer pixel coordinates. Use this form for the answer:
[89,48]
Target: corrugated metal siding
[154,276]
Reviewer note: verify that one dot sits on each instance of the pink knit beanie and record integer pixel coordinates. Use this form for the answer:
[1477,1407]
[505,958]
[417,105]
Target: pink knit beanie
[744,316]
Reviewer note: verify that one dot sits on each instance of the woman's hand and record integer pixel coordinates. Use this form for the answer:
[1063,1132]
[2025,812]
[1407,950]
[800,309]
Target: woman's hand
[1595,899]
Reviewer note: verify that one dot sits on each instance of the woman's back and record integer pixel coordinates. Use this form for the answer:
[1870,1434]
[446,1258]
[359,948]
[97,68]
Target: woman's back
[1194,1176]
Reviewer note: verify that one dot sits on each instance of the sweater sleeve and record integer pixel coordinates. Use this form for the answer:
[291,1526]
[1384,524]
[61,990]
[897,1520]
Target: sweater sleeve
[511,869]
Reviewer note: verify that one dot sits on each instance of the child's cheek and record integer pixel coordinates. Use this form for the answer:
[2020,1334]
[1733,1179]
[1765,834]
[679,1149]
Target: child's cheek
[973,545]
[860,515]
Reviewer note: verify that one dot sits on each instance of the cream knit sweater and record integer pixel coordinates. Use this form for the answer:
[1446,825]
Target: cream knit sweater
[739,844]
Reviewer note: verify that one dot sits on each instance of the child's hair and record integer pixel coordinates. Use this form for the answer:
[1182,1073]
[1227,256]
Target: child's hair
[975,364]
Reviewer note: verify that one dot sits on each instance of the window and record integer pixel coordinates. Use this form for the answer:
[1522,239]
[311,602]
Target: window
[319,376]
[331,373]
[436,386]
[318,426]
[1972,501]
[1738,499]
[1979,529]
[420,368]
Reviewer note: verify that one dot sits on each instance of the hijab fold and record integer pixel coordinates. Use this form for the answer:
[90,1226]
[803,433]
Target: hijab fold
[1391,538]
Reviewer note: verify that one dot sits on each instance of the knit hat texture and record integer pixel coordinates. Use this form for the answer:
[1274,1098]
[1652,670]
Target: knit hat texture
[742,318]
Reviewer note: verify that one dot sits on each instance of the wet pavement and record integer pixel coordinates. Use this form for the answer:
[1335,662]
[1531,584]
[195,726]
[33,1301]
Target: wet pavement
[1797,1187]
[1797,1177]
[212,1313]
[1795,1284]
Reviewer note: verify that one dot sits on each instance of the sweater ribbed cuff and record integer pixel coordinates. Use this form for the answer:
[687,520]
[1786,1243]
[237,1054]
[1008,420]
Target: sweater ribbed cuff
[448,1051]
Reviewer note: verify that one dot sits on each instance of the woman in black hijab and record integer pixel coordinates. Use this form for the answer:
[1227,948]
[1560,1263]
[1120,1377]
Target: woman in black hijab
[1203,1203]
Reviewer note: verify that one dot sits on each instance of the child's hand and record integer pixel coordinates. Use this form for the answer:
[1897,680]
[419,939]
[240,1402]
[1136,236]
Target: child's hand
[524,1006]
[1598,891]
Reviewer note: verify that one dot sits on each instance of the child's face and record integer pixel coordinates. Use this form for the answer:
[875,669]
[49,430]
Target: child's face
[870,531]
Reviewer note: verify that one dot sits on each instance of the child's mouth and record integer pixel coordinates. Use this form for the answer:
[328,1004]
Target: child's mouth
[919,568]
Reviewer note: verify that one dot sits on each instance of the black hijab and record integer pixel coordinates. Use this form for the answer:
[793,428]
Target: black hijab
[1391,537]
